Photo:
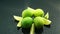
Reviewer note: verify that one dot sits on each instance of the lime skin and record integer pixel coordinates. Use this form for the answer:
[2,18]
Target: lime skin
[38,12]
[38,22]
[27,12]
[27,22]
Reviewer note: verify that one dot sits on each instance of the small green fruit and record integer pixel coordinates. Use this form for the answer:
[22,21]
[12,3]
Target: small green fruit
[38,21]
[32,29]
[18,18]
[47,22]
[27,12]
[27,22]
[19,23]
[47,15]
[38,12]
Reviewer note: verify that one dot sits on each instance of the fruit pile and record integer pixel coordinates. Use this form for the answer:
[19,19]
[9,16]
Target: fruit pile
[32,18]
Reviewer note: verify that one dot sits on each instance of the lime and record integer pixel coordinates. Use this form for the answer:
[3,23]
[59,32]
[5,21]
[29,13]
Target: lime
[27,12]
[47,22]
[27,22]
[32,29]
[38,12]
[38,21]
[18,18]
[19,23]
[47,15]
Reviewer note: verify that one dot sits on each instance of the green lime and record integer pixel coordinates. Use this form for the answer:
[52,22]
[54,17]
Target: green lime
[19,23]
[38,12]
[47,22]
[47,15]
[38,21]
[32,29]
[18,18]
[27,22]
[27,12]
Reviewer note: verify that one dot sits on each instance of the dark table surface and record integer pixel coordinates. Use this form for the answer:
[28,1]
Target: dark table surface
[15,7]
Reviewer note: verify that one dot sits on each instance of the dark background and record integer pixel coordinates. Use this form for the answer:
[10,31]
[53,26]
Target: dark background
[8,8]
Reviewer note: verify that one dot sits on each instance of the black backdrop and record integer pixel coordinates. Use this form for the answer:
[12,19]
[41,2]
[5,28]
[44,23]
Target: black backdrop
[8,8]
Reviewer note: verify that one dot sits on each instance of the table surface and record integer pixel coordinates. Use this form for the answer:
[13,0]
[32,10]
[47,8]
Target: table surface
[14,7]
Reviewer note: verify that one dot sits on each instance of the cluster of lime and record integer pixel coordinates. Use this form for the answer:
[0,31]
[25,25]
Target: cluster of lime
[38,20]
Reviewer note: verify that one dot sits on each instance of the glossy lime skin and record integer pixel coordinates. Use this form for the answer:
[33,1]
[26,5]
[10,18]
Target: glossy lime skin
[38,12]
[27,22]
[38,22]
[27,12]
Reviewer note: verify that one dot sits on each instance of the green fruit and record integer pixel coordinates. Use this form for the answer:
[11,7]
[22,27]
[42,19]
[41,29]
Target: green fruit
[47,15]
[38,12]
[47,22]
[32,29]
[27,12]
[19,23]
[18,18]
[38,21]
[27,22]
